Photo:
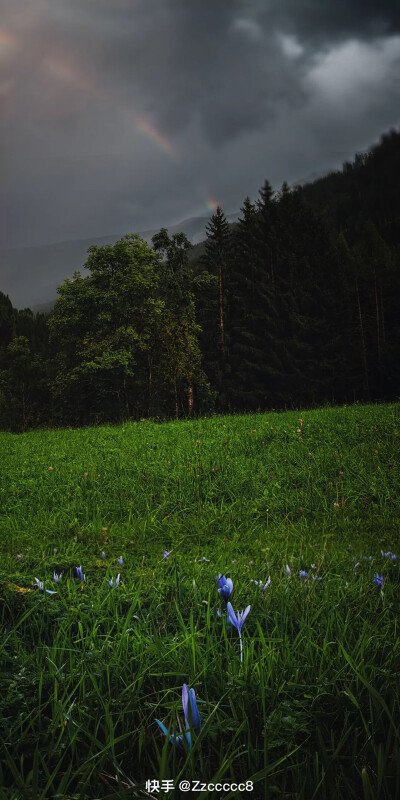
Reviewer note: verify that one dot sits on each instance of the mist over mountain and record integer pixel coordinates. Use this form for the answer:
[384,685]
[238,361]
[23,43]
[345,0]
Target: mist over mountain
[30,275]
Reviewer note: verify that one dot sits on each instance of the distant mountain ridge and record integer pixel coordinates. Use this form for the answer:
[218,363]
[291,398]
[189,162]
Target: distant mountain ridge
[30,275]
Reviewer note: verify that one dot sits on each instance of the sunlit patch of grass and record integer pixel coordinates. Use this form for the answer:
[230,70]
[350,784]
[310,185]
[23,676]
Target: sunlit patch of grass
[312,710]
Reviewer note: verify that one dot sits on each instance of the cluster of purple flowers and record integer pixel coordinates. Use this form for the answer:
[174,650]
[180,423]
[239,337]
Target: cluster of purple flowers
[79,574]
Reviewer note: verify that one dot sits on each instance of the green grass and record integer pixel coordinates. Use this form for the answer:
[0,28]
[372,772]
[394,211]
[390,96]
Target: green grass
[312,713]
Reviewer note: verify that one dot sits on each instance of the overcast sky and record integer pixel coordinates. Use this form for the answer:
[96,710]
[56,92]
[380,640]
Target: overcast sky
[122,115]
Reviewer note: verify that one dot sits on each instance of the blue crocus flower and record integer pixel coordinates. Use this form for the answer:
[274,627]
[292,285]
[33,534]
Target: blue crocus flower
[378,579]
[394,558]
[116,583]
[120,561]
[189,706]
[41,587]
[225,586]
[103,555]
[166,554]
[303,573]
[287,569]
[237,621]
[189,699]
[80,574]
[56,577]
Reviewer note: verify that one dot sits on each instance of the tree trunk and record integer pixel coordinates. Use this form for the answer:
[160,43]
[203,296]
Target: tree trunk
[378,324]
[128,411]
[221,306]
[23,408]
[363,347]
[176,400]
[190,399]
[382,319]
[150,382]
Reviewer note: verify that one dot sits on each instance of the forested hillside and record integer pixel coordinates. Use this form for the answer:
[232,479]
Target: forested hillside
[294,305]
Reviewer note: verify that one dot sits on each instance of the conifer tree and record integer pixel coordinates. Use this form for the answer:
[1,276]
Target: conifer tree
[263,327]
[217,260]
[248,301]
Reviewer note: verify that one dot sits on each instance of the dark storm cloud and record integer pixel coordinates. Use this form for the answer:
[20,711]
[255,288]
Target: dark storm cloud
[123,115]
[328,20]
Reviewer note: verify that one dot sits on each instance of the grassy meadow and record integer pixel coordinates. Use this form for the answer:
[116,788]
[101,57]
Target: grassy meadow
[310,712]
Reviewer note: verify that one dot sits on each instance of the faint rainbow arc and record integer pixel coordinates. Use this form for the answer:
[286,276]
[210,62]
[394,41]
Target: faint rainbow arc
[63,70]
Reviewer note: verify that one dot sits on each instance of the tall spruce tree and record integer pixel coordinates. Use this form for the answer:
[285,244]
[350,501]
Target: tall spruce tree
[217,260]
[263,328]
[308,305]
[374,279]
[248,301]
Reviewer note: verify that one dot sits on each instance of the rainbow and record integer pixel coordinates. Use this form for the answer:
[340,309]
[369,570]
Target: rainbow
[63,70]
[155,136]
[210,202]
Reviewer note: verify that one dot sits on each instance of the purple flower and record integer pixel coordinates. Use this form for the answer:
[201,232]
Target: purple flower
[394,558]
[389,554]
[378,579]
[80,574]
[166,554]
[303,573]
[263,586]
[225,586]
[103,555]
[237,620]
[203,560]
[120,561]
[116,583]
[19,556]
[189,698]
[390,463]
[56,577]
[41,587]
[287,569]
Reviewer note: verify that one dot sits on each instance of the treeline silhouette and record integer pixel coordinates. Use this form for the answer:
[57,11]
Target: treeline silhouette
[296,304]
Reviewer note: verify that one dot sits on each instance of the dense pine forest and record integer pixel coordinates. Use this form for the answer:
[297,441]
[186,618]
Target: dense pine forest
[295,305]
